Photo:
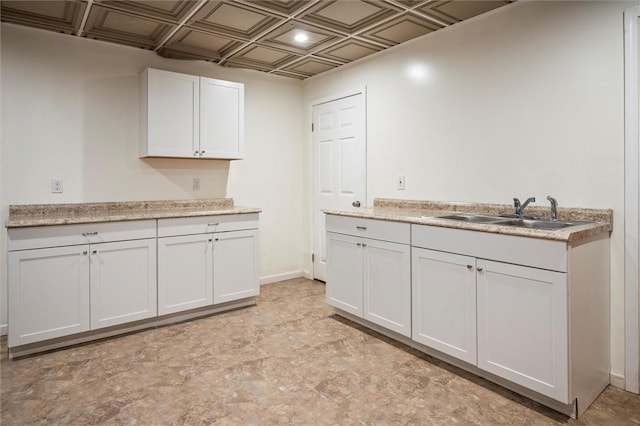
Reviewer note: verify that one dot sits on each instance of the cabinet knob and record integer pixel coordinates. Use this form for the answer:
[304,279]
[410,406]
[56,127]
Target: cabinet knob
[480,269]
[364,245]
[201,153]
[469,266]
[210,240]
[84,252]
[217,239]
[195,154]
[358,244]
[95,252]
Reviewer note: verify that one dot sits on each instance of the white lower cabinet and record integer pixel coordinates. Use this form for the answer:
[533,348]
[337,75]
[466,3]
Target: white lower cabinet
[185,273]
[444,302]
[528,313]
[123,282]
[368,277]
[344,276]
[48,293]
[206,260]
[68,279]
[64,280]
[523,326]
[235,265]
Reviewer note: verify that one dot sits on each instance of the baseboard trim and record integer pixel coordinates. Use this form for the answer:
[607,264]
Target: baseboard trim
[268,279]
[307,275]
[618,380]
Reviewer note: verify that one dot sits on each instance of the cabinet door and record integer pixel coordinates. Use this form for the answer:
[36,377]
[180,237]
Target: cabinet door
[387,285]
[344,273]
[123,282]
[48,293]
[444,302]
[221,119]
[173,108]
[522,326]
[235,265]
[185,273]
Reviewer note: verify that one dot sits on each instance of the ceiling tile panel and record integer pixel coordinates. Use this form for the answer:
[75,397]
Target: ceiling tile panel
[310,66]
[233,19]
[289,74]
[194,44]
[349,16]
[169,10]
[283,37]
[64,16]
[124,28]
[349,50]
[284,7]
[401,29]
[261,57]
[455,11]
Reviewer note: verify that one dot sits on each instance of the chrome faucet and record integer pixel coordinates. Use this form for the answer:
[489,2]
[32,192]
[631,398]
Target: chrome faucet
[520,207]
[554,207]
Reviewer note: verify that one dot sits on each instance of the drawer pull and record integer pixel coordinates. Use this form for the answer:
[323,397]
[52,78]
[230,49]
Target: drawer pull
[88,234]
[362,228]
[213,224]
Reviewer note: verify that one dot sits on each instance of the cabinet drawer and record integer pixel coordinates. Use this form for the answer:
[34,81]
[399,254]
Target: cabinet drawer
[82,233]
[394,232]
[534,252]
[205,224]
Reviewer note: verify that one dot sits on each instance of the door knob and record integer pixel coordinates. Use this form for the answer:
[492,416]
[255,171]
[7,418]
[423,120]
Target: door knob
[356,204]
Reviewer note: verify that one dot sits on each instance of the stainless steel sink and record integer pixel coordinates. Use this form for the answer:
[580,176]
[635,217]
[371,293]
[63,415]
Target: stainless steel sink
[538,224]
[473,218]
[526,222]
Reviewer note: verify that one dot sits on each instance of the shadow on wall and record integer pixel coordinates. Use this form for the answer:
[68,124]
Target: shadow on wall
[112,170]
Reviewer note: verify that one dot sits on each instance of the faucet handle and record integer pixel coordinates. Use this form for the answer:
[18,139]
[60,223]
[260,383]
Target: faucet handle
[516,202]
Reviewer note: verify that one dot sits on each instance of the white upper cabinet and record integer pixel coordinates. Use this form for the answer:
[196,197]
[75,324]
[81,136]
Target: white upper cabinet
[221,119]
[187,116]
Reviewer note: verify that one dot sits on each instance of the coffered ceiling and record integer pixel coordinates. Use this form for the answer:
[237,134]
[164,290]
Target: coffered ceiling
[293,38]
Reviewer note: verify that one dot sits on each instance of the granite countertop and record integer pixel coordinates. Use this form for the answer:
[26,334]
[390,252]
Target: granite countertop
[26,215]
[428,213]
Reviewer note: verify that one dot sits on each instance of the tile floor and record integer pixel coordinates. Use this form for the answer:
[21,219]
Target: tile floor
[288,360]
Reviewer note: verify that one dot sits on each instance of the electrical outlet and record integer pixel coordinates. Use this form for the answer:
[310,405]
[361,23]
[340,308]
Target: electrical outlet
[196,184]
[401,182]
[56,186]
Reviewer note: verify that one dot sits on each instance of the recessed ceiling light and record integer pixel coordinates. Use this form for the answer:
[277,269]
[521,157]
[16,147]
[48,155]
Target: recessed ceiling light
[301,37]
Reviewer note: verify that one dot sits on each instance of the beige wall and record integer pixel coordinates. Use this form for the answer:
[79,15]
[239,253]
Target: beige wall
[524,101]
[70,109]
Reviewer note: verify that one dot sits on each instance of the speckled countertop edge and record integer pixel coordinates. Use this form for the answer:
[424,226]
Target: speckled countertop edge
[427,212]
[66,214]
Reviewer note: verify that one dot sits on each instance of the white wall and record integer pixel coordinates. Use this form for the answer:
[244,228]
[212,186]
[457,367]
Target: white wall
[524,101]
[70,111]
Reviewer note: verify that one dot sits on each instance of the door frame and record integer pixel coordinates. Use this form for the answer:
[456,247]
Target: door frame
[312,221]
[631,199]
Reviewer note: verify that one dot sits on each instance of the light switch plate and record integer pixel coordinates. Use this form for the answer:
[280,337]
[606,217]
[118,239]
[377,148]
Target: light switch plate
[401,183]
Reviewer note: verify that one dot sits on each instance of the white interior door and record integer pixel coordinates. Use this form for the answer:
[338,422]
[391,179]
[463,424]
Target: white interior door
[339,165]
